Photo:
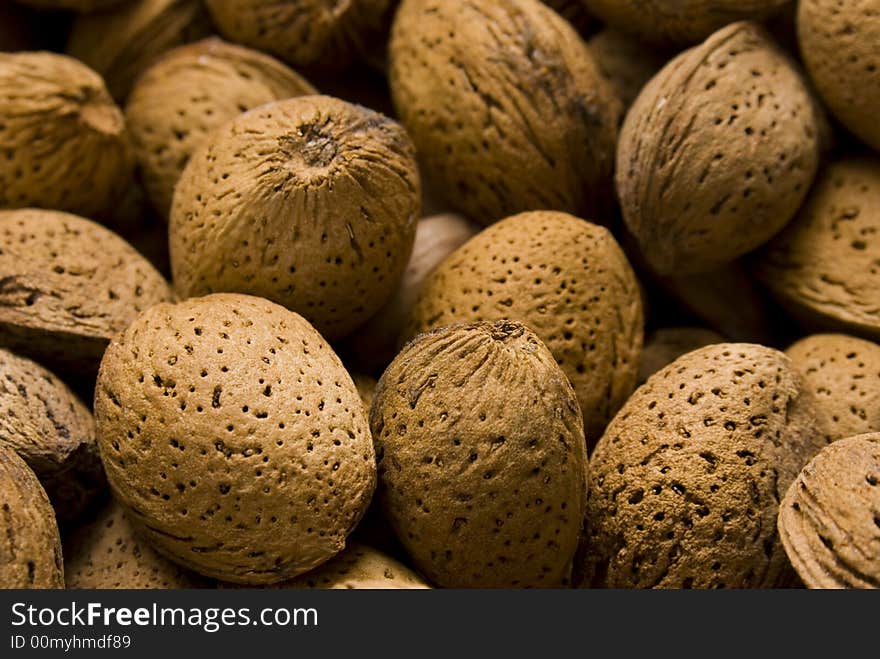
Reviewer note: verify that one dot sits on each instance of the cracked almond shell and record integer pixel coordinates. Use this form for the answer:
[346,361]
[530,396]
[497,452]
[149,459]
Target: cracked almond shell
[829,520]
[844,373]
[506,106]
[679,21]
[840,46]
[43,421]
[686,481]
[30,547]
[108,554]
[823,267]
[717,153]
[233,437]
[122,42]
[481,455]
[310,202]
[68,285]
[565,278]
[191,91]
[63,139]
[312,34]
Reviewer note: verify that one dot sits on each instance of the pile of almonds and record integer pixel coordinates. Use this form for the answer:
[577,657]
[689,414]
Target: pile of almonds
[430,294]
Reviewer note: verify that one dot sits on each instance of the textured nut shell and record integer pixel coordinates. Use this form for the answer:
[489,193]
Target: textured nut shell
[122,42]
[68,286]
[829,519]
[360,567]
[839,44]
[844,373]
[63,138]
[310,202]
[686,481]
[188,93]
[666,345]
[107,554]
[312,34]
[568,281]
[505,105]
[482,459]
[625,62]
[74,5]
[30,547]
[233,437]
[49,427]
[823,266]
[375,343]
[679,21]
[717,153]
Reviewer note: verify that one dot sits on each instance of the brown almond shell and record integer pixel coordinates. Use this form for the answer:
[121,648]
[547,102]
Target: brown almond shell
[838,43]
[686,481]
[62,137]
[823,267]
[43,421]
[107,554]
[30,547]
[233,438]
[69,285]
[844,373]
[506,106]
[829,519]
[310,202]
[717,153]
[189,92]
[310,34]
[568,281]
[481,456]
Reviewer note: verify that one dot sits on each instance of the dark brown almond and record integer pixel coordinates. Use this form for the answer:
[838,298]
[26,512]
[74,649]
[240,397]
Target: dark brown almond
[312,34]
